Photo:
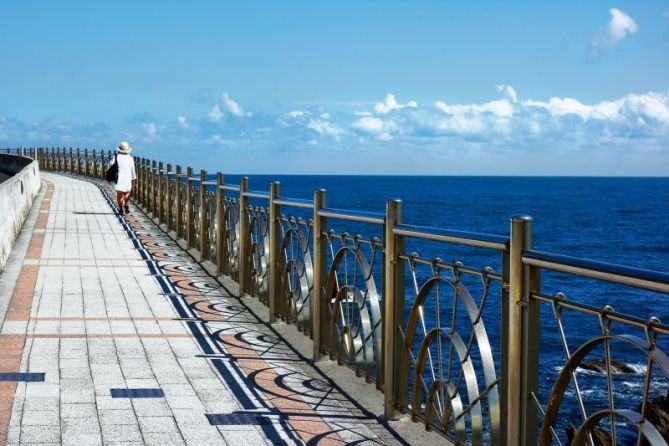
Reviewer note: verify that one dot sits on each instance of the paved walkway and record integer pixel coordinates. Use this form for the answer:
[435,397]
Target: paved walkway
[95,304]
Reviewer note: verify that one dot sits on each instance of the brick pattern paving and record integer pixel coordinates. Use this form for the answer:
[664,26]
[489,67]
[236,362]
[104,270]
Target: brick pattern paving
[105,302]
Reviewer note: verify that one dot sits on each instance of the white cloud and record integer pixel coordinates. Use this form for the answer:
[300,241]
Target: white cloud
[562,107]
[150,129]
[323,127]
[383,130]
[216,139]
[652,106]
[182,121]
[232,106]
[508,92]
[390,104]
[502,108]
[620,26]
[297,113]
[369,124]
[215,114]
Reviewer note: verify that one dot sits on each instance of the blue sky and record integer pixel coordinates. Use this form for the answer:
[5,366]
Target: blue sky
[425,87]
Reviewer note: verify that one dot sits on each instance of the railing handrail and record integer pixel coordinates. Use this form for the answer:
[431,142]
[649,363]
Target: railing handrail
[610,272]
[295,202]
[476,239]
[351,215]
[256,194]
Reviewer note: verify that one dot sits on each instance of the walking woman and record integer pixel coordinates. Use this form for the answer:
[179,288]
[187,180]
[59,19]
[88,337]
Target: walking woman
[127,178]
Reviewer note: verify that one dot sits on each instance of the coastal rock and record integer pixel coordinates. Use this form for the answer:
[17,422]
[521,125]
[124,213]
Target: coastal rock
[599,365]
[658,414]
[600,437]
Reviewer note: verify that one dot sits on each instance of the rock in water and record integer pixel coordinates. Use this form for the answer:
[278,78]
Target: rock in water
[658,415]
[600,437]
[599,365]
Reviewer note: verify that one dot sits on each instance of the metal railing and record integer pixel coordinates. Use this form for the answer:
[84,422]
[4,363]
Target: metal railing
[458,347]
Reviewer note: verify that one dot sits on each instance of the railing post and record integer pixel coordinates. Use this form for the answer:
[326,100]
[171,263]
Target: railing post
[169,197]
[154,189]
[161,193]
[143,182]
[393,307]
[243,229]
[78,162]
[204,227]
[86,161]
[103,166]
[71,161]
[220,224]
[274,241]
[514,360]
[317,303]
[96,166]
[147,185]
[190,233]
[178,203]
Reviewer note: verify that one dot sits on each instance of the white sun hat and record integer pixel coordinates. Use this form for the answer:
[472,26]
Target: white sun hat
[124,147]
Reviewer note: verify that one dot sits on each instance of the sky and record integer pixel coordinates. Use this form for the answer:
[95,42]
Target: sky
[346,87]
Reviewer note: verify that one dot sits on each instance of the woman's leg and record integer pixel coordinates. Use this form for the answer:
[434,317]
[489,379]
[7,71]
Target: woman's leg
[126,200]
[119,200]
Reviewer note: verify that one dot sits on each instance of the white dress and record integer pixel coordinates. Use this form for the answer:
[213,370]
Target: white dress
[126,172]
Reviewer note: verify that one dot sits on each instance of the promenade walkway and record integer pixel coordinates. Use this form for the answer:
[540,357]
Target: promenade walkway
[93,304]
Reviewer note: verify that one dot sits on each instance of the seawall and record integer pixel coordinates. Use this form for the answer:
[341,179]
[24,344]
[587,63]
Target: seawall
[17,193]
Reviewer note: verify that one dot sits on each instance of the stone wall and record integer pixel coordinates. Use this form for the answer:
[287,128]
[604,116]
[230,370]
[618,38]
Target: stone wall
[16,197]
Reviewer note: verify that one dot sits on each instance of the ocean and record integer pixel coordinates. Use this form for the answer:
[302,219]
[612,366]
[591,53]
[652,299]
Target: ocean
[616,220]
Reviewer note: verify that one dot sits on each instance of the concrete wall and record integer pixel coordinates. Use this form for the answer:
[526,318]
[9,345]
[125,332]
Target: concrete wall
[16,197]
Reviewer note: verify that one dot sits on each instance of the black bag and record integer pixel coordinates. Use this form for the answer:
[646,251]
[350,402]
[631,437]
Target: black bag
[112,171]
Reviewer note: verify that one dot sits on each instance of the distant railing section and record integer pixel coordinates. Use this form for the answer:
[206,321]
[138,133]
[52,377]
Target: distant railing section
[418,327]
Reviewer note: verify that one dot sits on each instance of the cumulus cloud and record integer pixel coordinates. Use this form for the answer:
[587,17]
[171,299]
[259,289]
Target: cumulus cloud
[324,127]
[501,108]
[215,114]
[508,92]
[369,124]
[232,106]
[390,104]
[182,121]
[630,109]
[382,129]
[620,26]
[297,113]
[151,129]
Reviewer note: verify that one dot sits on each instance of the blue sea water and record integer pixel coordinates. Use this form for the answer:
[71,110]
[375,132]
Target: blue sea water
[617,220]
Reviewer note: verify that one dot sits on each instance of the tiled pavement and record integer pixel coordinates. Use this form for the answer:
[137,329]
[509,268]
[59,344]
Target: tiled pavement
[95,302]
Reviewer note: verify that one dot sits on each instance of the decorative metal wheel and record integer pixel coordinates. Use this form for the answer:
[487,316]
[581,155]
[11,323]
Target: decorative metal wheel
[231,218]
[297,275]
[195,191]
[183,210]
[354,310]
[445,356]
[258,242]
[212,233]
